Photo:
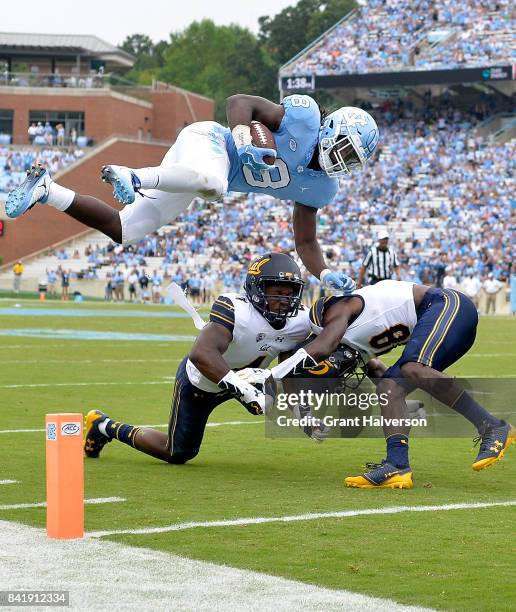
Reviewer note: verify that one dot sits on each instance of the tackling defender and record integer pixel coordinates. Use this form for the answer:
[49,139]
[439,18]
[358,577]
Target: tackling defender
[251,329]
[207,160]
[437,328]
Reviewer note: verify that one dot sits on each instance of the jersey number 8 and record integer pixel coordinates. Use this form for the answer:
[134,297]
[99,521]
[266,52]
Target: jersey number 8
[389,338]
[266,181]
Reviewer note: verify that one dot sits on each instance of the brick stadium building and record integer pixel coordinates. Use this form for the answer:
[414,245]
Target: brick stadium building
[68,80]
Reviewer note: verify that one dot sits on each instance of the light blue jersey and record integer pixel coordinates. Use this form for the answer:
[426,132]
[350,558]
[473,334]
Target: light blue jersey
[296,140]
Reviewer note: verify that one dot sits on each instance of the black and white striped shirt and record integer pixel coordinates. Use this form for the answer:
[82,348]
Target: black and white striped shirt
[380,263]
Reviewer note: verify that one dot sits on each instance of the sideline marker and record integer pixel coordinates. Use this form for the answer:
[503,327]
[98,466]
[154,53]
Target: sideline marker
[65,475]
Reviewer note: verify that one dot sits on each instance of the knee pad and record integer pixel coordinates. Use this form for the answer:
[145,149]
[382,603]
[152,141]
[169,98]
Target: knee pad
[215,187]
[138,220]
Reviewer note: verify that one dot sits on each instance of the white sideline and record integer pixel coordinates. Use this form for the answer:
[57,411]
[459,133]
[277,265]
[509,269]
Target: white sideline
[215,424]
[298,517]
[95,500]
[104,575]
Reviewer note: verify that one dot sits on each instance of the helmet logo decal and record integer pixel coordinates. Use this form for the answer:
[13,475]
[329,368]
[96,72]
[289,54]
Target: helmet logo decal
[256,267]
[322,368]
[355,118]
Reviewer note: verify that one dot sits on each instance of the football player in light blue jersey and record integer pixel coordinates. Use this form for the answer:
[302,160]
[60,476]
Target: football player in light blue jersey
[296,137]
[207,160]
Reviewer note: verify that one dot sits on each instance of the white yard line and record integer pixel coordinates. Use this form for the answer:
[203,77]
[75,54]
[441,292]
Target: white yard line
[504,376]
[43,360]
[215,424]
[489,355]
[299,517]
[97,500]
[9,431]
[146,382]
[102,575]
[67,345]
[6,482]
[88,384]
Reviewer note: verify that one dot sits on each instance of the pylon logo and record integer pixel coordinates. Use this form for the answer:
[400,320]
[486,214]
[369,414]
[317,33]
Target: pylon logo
[51,431]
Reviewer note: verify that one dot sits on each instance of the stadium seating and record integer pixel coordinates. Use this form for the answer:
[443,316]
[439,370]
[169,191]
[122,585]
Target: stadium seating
[435,184]
[14,161]
[398,35]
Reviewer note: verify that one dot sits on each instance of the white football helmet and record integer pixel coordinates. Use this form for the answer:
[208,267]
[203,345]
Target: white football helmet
[347,139]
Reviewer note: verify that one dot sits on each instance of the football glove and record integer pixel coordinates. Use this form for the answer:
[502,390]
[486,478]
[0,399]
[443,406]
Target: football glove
[252,157]
[318,432]
[253,400]
[254,376]
[295,365]
[337,281]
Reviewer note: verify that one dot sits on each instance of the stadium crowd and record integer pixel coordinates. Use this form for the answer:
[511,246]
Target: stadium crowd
[391,35]
[452,192]
[14,162]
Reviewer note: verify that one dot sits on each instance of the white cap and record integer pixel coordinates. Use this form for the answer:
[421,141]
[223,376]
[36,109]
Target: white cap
[382,234]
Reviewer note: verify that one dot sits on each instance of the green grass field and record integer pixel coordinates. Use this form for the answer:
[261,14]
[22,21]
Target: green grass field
[450,559]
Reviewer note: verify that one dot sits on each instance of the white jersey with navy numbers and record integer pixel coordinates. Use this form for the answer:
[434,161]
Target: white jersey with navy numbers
[387,318]
[255,343]
[296,140]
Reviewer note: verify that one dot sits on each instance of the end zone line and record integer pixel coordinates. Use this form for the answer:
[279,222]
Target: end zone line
[153,580]
[97,500]
[297,517]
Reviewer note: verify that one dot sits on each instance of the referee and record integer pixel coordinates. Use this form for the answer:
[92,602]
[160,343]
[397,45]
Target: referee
[380,262]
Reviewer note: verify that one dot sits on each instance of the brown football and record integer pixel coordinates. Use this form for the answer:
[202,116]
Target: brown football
[262,137]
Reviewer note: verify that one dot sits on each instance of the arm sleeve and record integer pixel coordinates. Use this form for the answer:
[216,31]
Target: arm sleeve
[223,312]
[394,259]
[367,259]
[301,113]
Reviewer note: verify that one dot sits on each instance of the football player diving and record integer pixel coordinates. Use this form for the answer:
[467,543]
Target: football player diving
[244,330]
[207,160]
[437,327]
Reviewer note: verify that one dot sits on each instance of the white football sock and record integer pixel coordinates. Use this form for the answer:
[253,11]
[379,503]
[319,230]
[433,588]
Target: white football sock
[102,427]
[59,197]
[148,177]
[180,179]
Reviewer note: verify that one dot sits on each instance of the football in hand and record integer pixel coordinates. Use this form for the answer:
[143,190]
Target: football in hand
[262,137]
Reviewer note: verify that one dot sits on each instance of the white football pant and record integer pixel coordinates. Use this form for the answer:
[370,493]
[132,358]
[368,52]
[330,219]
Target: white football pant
[197,164]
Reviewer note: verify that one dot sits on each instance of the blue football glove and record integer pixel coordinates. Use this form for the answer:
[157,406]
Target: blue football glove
[252,157]
[337,281]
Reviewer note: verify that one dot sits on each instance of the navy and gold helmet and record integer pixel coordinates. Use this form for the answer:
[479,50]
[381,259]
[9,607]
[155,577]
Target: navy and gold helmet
[274,269]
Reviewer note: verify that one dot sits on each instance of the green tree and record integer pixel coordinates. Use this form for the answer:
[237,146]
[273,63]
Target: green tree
[149,57]
[295,27]
[217,61]
[138,45]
